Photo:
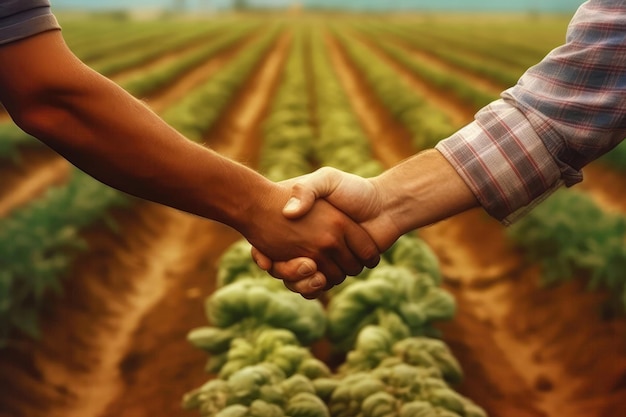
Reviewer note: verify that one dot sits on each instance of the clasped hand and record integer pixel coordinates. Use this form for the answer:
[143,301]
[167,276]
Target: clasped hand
[360,199]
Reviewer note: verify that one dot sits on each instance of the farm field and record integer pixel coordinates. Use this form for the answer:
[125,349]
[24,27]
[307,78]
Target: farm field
[99,291]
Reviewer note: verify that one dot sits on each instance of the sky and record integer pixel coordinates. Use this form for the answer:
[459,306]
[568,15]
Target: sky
[460,5]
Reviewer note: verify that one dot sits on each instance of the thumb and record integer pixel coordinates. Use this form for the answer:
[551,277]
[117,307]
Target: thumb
[308,188]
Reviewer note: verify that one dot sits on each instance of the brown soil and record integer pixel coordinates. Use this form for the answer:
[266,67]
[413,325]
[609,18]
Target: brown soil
[606,186]
[38,168]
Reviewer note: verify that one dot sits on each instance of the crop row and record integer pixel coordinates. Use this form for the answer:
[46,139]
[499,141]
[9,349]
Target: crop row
[39,243]
[104,43]
[147,51]
[157,78]
[459,86]
[427,123]
[380,321]
[506,43]
[454,55]
[198,110]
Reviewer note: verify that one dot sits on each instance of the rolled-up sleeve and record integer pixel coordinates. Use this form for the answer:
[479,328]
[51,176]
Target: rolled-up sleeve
[564,112]
[20,19]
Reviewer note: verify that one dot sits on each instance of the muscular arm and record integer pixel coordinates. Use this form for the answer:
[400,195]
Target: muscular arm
[106,132]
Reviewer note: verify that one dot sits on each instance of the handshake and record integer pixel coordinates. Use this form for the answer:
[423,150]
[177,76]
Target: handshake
[334,224]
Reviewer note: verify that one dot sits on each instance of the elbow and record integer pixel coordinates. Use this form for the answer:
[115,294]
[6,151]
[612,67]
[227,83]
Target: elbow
[42,118]
[33,118]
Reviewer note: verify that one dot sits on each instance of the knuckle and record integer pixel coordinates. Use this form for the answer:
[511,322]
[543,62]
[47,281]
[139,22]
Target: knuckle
[298,187]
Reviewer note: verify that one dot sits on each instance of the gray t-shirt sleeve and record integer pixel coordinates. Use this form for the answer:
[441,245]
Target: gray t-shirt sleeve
[20,19]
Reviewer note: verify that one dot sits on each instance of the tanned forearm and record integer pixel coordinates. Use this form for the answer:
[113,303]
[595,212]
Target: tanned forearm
[114,137]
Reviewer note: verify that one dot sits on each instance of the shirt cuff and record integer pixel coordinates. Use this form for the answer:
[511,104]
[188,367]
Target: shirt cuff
[503,161]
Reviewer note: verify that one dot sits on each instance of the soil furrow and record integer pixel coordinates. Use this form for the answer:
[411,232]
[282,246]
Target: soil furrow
[38,169]
[606,186]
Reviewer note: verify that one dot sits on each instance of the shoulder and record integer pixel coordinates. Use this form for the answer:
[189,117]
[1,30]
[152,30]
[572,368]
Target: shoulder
[20,19]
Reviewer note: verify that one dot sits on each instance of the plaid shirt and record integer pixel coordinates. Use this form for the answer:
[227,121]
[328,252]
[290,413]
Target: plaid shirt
[563,113]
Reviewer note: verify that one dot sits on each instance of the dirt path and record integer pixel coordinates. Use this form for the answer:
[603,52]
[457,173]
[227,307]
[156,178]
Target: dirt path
[527,351]
[115,345]
[606,186]
[38,169]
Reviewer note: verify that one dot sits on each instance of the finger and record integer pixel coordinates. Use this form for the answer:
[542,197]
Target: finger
[260,259]
[348,263]
[307,189]
[362,246]
[331,271]
[309,288]
[355,251]
[294,270]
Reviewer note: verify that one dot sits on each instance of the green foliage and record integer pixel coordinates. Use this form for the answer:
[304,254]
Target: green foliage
[399,390]
[287,131]
[277,346]
[616,158]
[39,243]
[260,390]
[11,138]
[150,81]
[569,234]
[341,143]
[377,346]
[386,293]
[264,302]
[236,263]
[414,253]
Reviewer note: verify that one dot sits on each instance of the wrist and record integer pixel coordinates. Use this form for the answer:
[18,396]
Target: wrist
[261,196]
[422,190]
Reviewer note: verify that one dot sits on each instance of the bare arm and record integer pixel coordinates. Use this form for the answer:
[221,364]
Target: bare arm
[106,132]
[419,191]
